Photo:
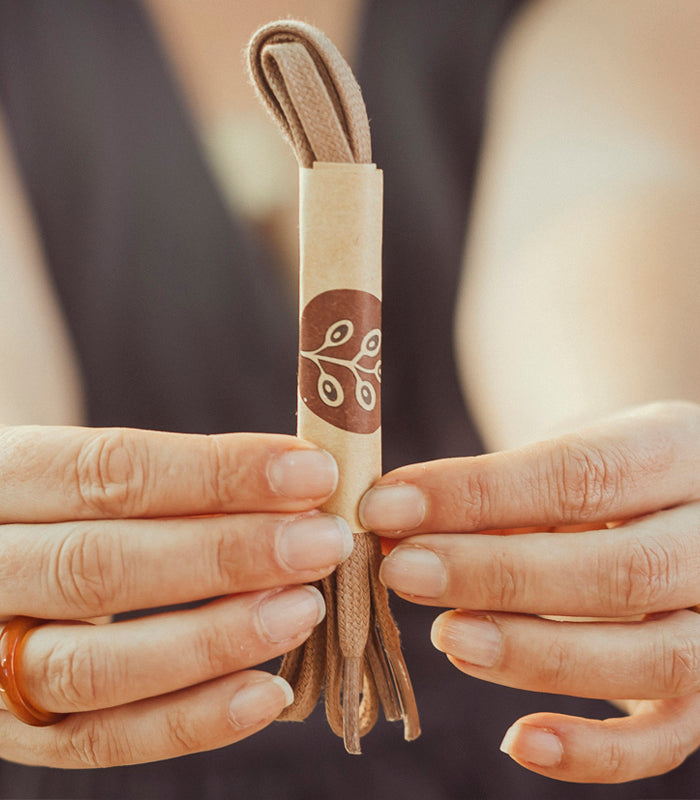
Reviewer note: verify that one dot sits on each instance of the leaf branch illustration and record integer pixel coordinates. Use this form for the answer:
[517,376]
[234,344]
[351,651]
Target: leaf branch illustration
[329,387]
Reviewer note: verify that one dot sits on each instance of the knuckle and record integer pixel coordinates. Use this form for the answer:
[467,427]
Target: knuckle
[226,560]
[110,474]
[232,561]
[220,650]
[586,480]
[613,761]
[501,583]
[222,474]
[89,571]
[473,501]
[680,666]
[91,743]
[556,666]
[677,749]
[75,676]
[611,580]
[182,736]
[644,576]
[213,653]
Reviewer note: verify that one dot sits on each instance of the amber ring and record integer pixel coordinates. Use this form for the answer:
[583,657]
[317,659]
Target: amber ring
[12,641]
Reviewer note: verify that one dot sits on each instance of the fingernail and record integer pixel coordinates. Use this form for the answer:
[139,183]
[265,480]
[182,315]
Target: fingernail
[260,701]
[303,474]
[532,745]
[314,542]
[469,638]
[414,570]
[400,507]
[284,615]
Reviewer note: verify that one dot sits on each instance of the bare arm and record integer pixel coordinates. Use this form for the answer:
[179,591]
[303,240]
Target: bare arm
[583,288]
[39,381]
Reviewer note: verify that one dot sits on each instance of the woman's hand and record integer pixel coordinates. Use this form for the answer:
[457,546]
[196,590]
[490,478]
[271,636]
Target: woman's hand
[601,523]
[96,522]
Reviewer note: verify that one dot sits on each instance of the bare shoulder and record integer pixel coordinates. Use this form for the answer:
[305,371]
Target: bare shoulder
[588,96]
[634,59]
[586,204]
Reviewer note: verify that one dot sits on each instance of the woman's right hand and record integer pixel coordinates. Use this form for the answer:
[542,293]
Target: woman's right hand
[102,521]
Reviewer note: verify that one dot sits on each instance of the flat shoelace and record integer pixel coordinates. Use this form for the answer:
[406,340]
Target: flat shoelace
[310,91]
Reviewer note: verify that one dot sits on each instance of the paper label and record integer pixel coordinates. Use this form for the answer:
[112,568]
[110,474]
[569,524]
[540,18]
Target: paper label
[340,231]
[340,363]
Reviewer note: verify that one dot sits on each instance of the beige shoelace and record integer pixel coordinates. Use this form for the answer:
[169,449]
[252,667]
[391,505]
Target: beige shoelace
[356,654]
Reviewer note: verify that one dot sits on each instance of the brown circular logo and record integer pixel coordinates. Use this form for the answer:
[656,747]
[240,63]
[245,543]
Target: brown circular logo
[340,368]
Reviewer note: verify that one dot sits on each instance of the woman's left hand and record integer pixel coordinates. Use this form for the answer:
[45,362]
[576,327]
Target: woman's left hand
[603,523]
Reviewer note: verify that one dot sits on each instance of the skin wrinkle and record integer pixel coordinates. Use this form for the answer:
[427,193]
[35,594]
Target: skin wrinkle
[613,760]
[682,668]
[216,645]
[607,580]
[225,563]
[590,480]
[647,577]
[234,552]
[83,581]
[500,581]
[473,500]
[81,677]
[181,733]
[56,657]
[108,478]
[214,476]
[556,665]
[90,745]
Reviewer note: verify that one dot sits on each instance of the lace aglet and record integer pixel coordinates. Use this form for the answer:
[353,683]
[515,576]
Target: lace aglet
[352,688]
[409,709]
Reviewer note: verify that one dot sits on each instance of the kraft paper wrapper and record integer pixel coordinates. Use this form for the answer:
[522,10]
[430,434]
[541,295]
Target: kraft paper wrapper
[340,214]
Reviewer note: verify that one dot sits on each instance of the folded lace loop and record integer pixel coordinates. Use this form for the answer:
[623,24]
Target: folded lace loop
[310,91]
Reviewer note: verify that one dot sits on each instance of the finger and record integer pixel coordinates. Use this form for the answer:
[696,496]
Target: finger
[658,737]
[652,659]
[645,566]
[86,569]
[203,717]
[628,466]
[54,474]
[80,668]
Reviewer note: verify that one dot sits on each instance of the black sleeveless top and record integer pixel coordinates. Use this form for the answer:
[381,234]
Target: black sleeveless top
[180,324]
